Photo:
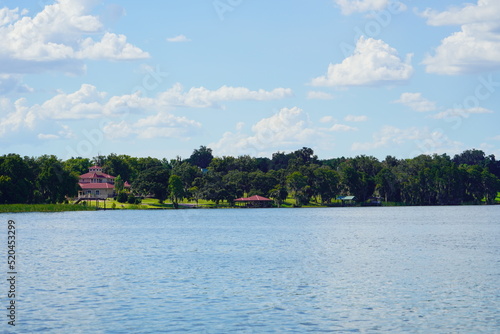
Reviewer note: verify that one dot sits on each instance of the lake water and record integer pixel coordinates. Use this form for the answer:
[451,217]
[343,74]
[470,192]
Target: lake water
[347,270]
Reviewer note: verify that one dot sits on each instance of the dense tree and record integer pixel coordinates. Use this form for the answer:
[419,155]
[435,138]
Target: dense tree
[279,161]
[118,165]
[153,181]
[214,188]
[470,177]
[176,190]
[16,180]
[353,182]
[262,183]
[53,182]
[326,183]
[278,194]
[470,157]
[201,157]
[119,184]
[387,185]
[77,165]
[187,173]
[297,184]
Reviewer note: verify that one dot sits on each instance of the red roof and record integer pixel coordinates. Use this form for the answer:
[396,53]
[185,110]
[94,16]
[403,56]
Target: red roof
[255,198]
[88,185]
[94,175]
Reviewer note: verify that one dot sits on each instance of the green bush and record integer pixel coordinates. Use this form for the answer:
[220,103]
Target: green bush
[122,197]
[131,199]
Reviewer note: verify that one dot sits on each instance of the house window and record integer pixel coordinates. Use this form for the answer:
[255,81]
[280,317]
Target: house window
[97,192]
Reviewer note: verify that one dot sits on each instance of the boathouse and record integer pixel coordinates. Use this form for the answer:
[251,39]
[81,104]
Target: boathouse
[255,201]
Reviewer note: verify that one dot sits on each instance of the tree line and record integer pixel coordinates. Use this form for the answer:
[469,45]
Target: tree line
[469,177]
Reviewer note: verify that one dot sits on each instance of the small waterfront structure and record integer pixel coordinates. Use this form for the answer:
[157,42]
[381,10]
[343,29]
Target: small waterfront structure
[255,201]
[347,200]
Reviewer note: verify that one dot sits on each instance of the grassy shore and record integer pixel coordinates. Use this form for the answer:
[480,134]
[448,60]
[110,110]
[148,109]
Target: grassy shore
[8,208]
[151,204]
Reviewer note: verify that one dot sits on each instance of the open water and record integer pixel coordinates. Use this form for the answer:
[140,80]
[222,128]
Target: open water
[341,270]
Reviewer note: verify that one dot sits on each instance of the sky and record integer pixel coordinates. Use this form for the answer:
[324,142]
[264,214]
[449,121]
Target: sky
[81,78]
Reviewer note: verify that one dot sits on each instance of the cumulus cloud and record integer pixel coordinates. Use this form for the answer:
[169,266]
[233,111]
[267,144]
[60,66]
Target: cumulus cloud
[457,112]
[423,140]
[475,48]
[288,128]
[8,15]
[13,83]
[352,6]
[342,128]
[374,62]
[160,125]
[53,39]
[178,39]
[315,95]
[88,103]
[327,119]
[416,102]
[354,118]
[201,97]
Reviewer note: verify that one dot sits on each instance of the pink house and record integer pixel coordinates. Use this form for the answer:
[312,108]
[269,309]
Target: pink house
[96,184]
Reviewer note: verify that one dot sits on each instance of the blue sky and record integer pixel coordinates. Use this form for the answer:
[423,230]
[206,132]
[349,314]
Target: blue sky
[344,77]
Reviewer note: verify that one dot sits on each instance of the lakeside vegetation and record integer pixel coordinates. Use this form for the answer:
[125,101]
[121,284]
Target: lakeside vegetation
[13,208]
[295,179]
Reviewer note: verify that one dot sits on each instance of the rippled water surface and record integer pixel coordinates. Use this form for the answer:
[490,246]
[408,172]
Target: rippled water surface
[401,269]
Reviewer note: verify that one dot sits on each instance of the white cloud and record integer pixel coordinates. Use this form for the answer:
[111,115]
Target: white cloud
[342,128]
[13,82]
[315,95]
[289,128]
[201,97]
[374,62]
[160,125]
[43,136]
[54,39]
[423,140]
[475,48]
[483,11]
[352,6]
[88,103]
[465,113]
[416,102]
[111,46]
[327,119]
[354,118]
[178,39]
[8,15]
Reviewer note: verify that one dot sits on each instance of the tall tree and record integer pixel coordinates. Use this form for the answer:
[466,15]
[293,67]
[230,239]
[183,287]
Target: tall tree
[201,157]
[326,183]
[53,181]
[176,190]
[297,184]
[153,181]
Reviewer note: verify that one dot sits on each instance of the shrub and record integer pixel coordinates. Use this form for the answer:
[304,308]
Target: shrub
[131,199]
[122,197]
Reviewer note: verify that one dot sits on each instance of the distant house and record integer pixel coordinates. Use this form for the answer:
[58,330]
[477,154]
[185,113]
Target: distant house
[96,184]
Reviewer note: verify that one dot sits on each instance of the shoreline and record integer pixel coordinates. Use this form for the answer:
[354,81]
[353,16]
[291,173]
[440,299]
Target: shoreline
[53,208]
